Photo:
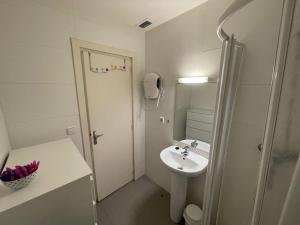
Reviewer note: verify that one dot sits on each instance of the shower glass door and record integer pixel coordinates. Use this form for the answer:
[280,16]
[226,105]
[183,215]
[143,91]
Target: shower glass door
[281,201]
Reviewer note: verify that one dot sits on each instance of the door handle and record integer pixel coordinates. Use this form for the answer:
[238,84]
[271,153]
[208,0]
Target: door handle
[260,147]
[95,137]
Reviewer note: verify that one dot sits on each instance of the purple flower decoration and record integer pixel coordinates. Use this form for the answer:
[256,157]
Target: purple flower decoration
[19,171]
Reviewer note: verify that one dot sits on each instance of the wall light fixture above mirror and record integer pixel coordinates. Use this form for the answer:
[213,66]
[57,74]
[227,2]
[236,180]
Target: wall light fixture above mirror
[192,80]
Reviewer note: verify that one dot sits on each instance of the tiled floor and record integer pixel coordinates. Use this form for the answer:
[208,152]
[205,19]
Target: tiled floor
[138,203]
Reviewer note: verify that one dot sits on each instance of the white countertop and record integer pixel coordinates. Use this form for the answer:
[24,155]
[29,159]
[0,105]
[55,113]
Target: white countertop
[60,164]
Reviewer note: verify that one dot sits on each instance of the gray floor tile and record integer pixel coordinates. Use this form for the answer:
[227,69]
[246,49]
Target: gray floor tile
[138,203]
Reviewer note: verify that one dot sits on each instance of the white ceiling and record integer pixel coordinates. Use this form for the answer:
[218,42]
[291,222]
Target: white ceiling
[132,12]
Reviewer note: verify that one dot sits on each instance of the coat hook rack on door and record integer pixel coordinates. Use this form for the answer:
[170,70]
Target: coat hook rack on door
[106,69]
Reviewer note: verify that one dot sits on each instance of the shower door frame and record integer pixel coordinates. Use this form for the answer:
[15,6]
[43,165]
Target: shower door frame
[276,89]
[223,119]
[226,98]
[277,81]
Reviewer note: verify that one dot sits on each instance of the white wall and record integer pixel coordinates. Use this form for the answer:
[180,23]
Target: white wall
[187,45]
[4,141]
[37,88]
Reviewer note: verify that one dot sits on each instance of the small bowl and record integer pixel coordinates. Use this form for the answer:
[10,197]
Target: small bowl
[20,183]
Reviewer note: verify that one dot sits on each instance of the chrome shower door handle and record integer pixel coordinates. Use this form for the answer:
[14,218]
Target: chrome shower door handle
[95,137]
[260,147]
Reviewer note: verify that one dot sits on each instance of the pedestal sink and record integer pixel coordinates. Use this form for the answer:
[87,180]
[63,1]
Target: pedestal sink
[181,166]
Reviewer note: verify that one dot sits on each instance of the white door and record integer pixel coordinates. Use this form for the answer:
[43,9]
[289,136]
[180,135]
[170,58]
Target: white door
[109,105]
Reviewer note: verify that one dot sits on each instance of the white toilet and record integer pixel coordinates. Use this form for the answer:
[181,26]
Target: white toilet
[192,215]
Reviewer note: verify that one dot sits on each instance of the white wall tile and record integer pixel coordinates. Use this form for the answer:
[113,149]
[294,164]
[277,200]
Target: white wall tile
[25,22]
[28,102]
[109,34]
[40,131]
[257,26]
[64,6]
[32,63]
[174,59]
[211,16]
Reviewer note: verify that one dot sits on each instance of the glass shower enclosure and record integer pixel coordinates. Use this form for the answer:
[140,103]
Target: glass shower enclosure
[278,193]
[277,200]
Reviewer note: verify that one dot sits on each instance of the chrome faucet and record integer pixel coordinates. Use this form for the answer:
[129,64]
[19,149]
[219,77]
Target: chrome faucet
[194,144]
[186,151]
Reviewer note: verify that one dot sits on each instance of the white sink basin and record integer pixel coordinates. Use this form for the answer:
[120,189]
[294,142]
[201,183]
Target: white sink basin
[190,166]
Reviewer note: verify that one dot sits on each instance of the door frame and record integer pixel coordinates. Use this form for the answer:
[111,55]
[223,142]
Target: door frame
[77,47]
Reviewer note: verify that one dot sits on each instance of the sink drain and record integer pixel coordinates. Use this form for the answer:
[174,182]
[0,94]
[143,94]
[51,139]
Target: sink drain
[180,167]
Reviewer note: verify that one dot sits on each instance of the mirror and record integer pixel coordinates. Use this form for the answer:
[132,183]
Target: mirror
[194,113]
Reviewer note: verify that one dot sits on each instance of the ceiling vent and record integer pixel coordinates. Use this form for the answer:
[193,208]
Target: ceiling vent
[145,24]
